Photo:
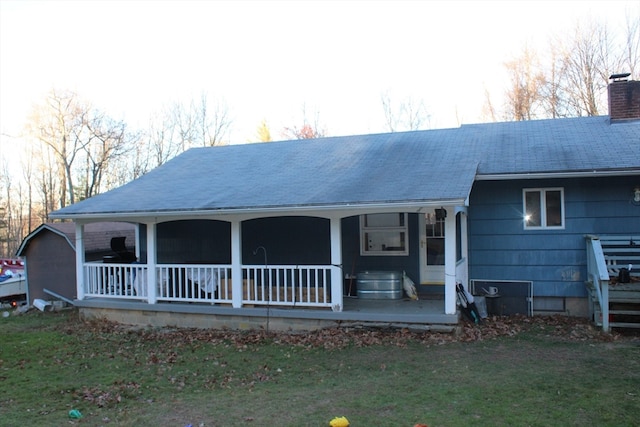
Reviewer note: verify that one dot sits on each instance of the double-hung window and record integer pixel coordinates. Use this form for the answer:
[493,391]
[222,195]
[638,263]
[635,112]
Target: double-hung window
[384,234]
[543,208]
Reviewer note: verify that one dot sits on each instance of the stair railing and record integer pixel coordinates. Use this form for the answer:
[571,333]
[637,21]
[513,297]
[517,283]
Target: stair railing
[598,277]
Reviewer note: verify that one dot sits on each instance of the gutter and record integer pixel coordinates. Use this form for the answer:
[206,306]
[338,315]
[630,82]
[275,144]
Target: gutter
[541,175]
[377,207]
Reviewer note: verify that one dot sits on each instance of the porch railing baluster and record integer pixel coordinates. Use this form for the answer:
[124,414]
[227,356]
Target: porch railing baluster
[283,285]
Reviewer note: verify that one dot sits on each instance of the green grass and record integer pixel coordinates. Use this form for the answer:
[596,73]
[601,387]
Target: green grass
[510,374]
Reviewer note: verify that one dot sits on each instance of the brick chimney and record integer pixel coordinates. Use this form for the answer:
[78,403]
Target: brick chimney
[624,98]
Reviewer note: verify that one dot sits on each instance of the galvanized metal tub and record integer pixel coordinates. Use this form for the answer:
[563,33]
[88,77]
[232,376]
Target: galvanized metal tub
[379,285]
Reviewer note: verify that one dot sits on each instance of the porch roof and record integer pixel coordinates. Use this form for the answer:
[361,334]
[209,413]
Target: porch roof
[404,170]
[408,169]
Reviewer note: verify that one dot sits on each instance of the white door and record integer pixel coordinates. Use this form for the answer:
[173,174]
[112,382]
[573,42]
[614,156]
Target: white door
[431,248]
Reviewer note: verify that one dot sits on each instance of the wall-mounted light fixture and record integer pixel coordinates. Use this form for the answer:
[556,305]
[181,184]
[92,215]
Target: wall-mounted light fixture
[441,213]
[636,195]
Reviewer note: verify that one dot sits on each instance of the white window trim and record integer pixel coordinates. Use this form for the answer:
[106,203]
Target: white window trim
[543,209]
[400,229]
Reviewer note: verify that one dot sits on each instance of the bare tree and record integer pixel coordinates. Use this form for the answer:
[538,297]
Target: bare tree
[587,68]
[524,95]
[56,125]
[48,185]
[308,130]
[27,164]
[213,127]
[5,207]
[84,143]
[107,142]
[554,101]
[408,115]
[162,142]
[488,110]
[12,212]
[630,60]
[180,126]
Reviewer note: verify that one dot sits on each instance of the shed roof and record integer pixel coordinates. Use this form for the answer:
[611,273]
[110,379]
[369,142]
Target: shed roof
[97,236]
[432,166]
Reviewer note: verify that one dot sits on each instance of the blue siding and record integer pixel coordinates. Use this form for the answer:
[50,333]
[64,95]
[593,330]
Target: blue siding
[554,260]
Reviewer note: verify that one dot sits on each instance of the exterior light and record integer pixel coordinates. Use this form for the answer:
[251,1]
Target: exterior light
[441,214]
[636,195]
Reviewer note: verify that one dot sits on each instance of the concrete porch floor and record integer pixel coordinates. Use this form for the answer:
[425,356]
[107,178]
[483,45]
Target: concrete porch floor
[427,314]
[424,310]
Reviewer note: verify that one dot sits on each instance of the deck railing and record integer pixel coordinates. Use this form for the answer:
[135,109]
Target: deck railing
[287,285]
[597,282]
[114,280]
[193,283]
[274,285]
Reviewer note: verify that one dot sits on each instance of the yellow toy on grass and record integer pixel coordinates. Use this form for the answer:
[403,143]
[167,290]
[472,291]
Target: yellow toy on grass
[339,422]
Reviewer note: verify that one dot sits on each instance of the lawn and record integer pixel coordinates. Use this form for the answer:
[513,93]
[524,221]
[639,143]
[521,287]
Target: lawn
[550,371]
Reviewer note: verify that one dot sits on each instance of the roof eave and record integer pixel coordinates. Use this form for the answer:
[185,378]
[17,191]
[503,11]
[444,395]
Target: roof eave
[318,210]
[543,175]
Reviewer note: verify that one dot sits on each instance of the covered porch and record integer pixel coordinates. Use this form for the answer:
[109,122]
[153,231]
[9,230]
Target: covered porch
[297,295]
[312,207]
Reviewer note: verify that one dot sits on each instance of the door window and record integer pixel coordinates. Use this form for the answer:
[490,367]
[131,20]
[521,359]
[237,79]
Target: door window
[434,233]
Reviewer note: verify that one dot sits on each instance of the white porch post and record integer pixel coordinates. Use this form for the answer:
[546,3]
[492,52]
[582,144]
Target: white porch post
[336,259]
[152,277]
[236,264]
[450,263]
[462,272]
[80,261]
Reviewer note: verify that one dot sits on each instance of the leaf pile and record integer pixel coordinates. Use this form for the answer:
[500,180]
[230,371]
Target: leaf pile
[560,327]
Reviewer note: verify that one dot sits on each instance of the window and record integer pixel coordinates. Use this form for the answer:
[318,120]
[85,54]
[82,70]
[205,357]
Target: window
[543,208]
[384,234]
[434,234]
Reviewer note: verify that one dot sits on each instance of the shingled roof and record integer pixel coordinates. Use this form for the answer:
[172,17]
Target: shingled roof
[96,237]
[420,167]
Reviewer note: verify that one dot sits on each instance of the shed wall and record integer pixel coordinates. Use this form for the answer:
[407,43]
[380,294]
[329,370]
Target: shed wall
[51,264]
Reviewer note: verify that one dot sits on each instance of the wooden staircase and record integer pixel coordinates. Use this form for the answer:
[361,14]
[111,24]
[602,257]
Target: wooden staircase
[614,303]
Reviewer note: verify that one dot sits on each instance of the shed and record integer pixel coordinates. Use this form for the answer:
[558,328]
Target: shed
[49,252]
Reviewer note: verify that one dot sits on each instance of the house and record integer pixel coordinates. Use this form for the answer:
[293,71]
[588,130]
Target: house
[50,255]
[279,234]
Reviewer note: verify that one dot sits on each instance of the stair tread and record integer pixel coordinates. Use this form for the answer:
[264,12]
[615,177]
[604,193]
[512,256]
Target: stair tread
[624,325]
[628,312]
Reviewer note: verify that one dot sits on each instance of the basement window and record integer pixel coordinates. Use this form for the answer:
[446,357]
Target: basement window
[543,208]
[384,234]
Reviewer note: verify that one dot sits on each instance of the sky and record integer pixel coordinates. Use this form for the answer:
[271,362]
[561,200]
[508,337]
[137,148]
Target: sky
[272,60]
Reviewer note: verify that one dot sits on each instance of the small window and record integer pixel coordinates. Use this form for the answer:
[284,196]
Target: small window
[384,234]
[543,208]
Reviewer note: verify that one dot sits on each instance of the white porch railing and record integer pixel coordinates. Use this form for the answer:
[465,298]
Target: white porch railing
[114,280]
[276,285]
[597,282]
[287,285]
[193,283]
